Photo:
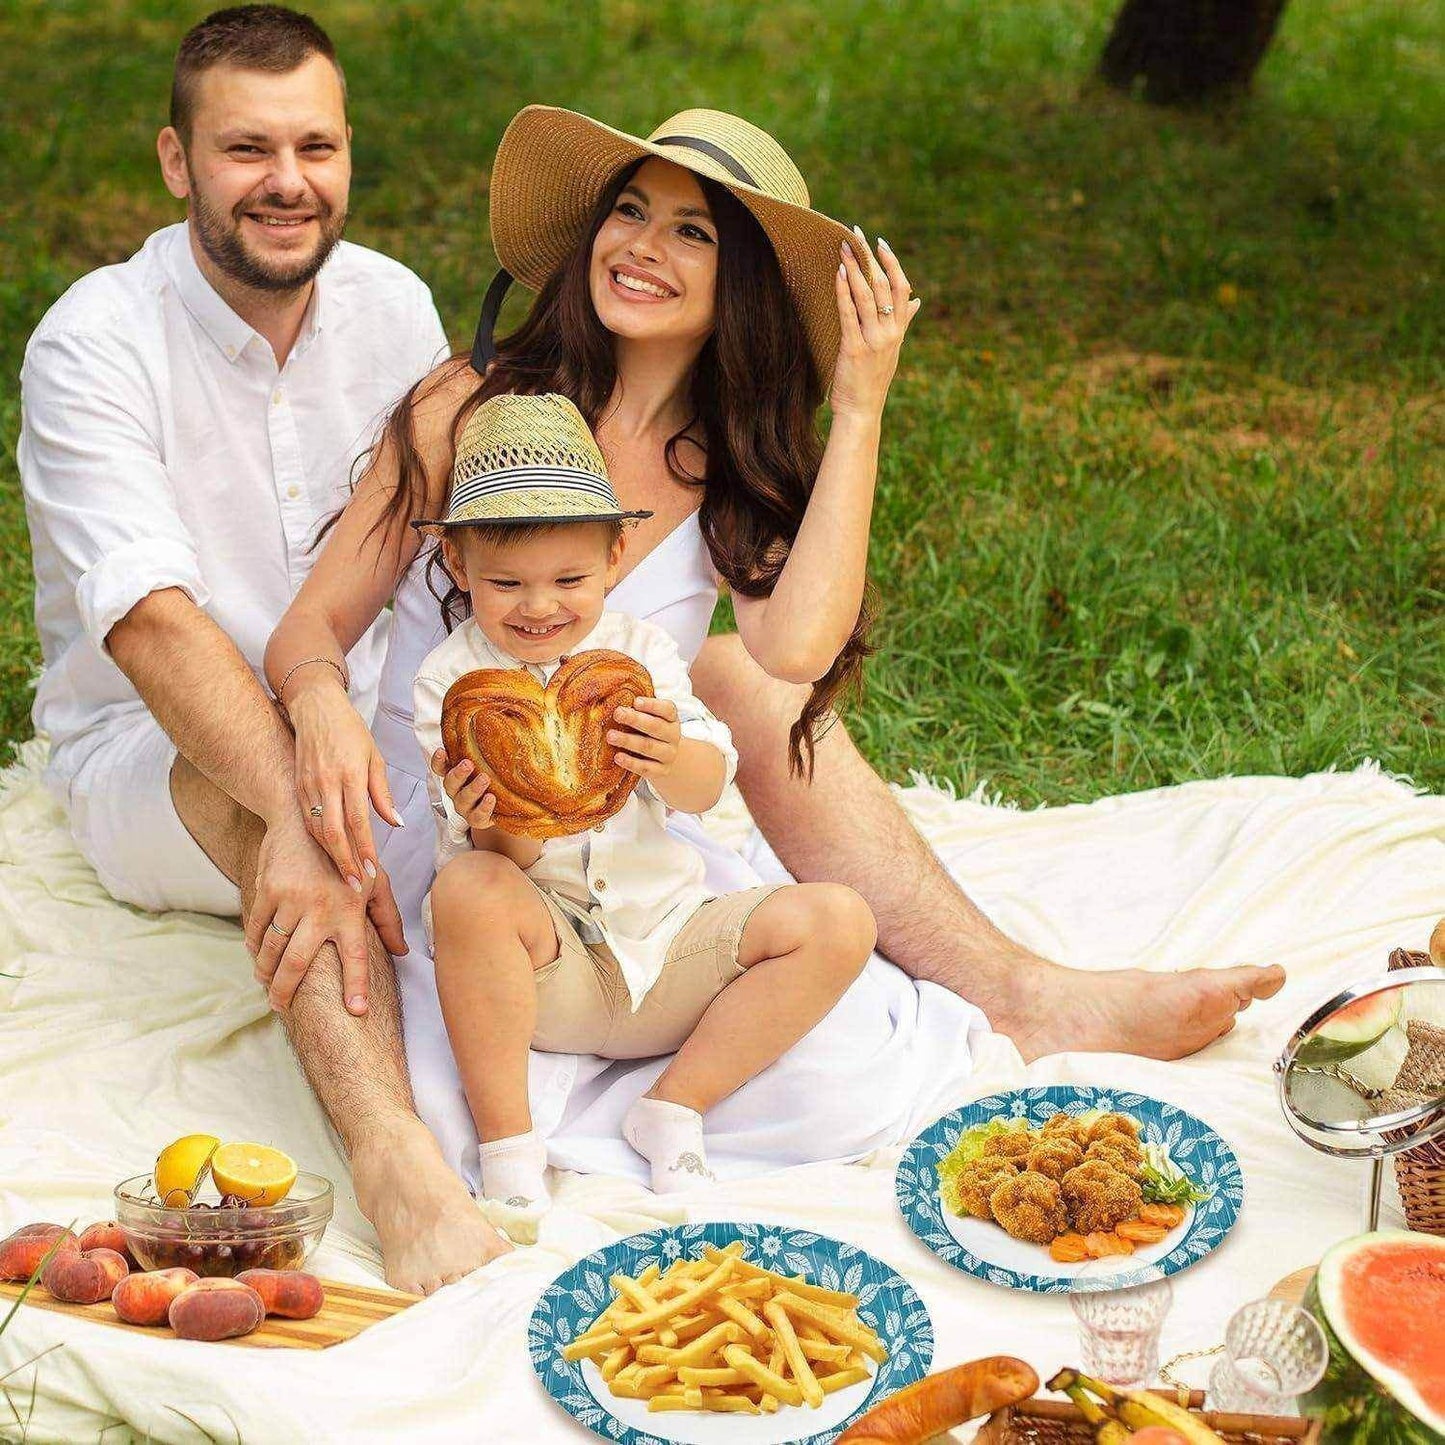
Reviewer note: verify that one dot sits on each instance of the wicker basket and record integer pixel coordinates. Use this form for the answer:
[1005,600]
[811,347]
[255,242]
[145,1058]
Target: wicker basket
[1420,1172]
[1060,1422]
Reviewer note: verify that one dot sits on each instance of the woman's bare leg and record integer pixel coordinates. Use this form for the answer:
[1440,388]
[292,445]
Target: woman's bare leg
[847,826]
[430,1229]
[802,947]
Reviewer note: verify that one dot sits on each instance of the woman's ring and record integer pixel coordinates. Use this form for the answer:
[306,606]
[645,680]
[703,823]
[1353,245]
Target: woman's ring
[316,810]
[281,931]
[885,310]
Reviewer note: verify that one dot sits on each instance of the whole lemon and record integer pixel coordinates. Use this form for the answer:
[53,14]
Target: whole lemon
[181,1168]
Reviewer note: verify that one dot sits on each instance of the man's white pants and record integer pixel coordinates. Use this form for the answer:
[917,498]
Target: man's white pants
[125,823]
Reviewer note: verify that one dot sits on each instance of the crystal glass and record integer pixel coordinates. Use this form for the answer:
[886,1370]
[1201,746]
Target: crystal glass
[1120,1304]
[1273,1351]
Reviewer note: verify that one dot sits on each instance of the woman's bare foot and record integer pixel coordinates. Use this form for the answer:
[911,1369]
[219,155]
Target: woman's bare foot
[1056,1010]
[431,1231]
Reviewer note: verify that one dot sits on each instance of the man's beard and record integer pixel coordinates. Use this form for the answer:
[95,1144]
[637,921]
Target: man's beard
[221,239]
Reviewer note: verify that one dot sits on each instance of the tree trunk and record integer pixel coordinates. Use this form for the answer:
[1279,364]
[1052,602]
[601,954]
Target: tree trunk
[1188,50]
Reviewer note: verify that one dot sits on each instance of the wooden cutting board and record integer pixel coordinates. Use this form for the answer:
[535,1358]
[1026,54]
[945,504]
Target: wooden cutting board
[348,1310]
[1293,1286]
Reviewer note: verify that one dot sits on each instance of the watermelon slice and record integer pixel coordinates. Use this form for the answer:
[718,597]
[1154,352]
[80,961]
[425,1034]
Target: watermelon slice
[1380,1299]
[1353,1029]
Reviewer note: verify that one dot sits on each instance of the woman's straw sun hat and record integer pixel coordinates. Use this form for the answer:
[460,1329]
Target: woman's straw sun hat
[553,166]
[527,459]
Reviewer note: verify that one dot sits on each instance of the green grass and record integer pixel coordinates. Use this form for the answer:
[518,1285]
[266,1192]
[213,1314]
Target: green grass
[1162,479]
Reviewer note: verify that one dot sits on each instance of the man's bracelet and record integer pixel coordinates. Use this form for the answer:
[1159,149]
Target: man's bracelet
[306,662]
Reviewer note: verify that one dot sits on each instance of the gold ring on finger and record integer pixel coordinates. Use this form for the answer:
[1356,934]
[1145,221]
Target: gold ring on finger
[271,927]
[885,310]
[316,810]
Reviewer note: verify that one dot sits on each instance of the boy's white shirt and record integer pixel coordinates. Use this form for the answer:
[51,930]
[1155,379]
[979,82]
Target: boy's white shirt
[628,883]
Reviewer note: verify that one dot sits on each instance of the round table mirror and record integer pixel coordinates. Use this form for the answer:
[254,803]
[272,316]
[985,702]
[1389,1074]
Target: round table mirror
[1363,1076]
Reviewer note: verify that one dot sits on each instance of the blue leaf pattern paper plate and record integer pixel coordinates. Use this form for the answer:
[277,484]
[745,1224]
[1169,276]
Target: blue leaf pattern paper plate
[981,1248]
[576,1297]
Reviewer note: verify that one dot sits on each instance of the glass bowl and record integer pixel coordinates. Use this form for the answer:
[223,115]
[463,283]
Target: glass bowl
[221,1240]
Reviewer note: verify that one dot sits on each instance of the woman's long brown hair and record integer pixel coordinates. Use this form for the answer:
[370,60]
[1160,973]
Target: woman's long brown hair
[755,394]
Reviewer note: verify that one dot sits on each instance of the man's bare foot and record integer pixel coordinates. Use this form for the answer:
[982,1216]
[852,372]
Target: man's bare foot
[431,1231]
[1057,1010]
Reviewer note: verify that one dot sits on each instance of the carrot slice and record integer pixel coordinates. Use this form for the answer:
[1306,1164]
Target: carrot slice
[1101,1246]
[1140,1232]
[1069,1249]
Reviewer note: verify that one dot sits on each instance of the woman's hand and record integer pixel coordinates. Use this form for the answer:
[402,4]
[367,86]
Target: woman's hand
[469,790]
[874,312]
[649,737]
[339,771]
[301,904]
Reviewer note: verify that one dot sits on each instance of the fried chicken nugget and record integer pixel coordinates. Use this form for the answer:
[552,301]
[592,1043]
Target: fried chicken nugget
[1097,1196]
[1124,1153]
[1009,1144]
[1054,1156]
[1107,1124]
[976,1181]
[1029,1207]
[1065,1126]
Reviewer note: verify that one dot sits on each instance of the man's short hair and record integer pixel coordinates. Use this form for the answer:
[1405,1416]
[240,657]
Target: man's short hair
[254,37]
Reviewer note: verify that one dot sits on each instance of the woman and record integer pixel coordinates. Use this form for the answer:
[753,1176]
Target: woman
[695,309]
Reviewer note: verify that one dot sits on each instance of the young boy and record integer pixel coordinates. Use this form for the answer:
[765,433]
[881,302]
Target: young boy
[605,942]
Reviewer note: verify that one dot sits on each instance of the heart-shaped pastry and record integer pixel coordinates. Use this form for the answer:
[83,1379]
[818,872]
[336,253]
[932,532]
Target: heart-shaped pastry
[545,749]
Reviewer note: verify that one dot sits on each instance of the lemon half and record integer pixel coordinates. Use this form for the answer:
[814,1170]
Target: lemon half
[254,1172]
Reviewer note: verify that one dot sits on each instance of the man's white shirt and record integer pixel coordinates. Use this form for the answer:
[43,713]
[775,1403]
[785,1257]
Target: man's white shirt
[160,446]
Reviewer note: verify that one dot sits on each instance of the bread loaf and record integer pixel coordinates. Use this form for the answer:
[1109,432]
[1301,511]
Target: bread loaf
[545,749]
[939,1402]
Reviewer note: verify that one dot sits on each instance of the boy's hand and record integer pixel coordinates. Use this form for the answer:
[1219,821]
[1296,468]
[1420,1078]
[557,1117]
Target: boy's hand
[649,737]
[468,790]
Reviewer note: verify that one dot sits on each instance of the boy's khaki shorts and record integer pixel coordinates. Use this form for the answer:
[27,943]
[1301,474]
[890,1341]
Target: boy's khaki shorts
[583,1006]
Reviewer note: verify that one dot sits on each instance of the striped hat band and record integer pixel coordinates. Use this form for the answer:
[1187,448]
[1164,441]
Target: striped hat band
[528,459]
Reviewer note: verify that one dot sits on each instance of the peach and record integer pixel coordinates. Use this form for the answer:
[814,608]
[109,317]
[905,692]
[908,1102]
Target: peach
[290,1293]
[107,1235]
[145,1299]
[22,1252]
[84,1279]
[216,1309]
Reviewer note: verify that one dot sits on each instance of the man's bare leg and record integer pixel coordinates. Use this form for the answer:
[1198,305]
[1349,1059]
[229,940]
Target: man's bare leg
[430,1229]
[848,827]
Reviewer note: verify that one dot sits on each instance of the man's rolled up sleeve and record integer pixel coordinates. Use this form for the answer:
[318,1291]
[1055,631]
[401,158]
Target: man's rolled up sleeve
[95,480]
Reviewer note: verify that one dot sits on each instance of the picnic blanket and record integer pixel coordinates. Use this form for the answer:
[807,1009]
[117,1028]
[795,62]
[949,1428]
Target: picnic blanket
[120,1030]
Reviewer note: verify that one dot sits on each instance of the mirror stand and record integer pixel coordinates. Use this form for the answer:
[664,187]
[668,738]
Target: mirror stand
[1364,1076]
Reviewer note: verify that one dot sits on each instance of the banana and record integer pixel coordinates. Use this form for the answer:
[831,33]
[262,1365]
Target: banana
[1107,1430]
[1139,1408]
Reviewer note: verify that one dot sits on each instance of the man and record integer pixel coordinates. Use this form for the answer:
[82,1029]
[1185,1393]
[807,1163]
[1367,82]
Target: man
[189,418]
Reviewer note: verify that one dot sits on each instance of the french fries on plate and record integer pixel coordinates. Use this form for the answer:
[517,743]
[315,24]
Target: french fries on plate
[722,1334]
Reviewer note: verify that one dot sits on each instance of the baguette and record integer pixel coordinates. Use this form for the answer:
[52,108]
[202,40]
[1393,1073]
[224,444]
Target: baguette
[939,1402]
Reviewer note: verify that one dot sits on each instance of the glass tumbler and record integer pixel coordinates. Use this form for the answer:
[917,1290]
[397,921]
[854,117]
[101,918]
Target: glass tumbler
[1120,1304]
[1273,1351]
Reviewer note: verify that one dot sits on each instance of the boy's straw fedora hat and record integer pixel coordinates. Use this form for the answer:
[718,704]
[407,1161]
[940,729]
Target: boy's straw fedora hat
[527,459]
[553,165]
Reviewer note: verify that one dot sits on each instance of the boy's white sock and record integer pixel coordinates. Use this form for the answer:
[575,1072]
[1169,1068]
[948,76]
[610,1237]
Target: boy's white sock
[514,1184]
[669,1137]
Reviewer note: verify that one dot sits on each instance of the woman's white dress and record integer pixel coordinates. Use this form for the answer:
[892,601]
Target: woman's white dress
[890,1056]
